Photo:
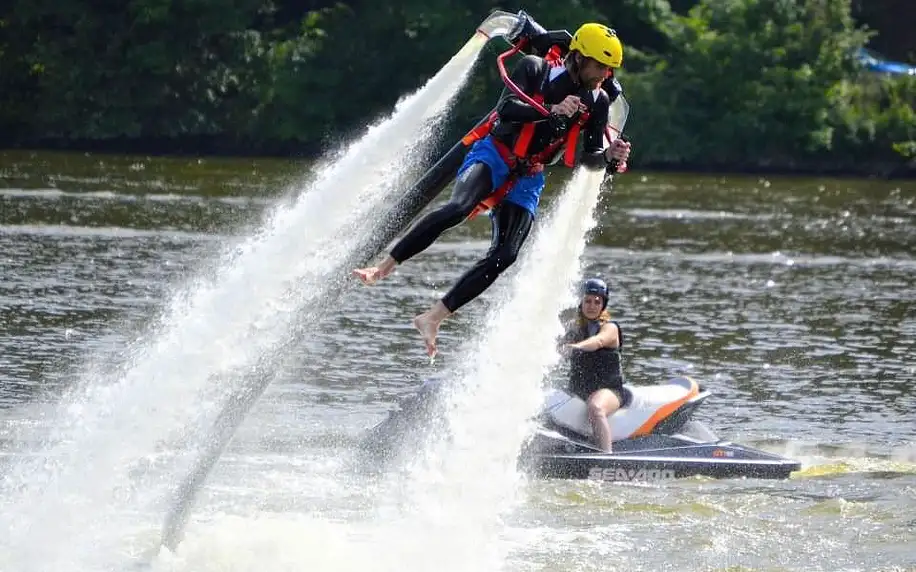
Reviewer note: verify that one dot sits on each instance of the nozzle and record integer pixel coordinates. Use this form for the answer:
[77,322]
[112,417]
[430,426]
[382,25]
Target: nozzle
[526,29]
[537,39]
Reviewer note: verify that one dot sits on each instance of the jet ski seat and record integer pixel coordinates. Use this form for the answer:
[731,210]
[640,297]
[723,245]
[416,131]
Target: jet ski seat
[648,407]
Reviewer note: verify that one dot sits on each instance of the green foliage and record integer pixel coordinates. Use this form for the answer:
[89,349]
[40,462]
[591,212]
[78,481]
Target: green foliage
[875,118]
[747,83]
[144,68]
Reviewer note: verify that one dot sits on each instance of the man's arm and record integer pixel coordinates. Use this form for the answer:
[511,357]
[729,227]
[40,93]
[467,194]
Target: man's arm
[593,154]
[526,76]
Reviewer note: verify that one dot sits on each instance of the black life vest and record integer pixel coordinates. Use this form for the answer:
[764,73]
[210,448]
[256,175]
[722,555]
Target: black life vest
[595,369]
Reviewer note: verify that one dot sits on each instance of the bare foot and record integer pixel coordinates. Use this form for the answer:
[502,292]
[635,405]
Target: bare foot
[373,274]
[368,276]
[429,329]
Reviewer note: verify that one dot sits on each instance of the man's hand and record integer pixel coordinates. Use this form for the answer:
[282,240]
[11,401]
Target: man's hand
[619,150]
[568,107]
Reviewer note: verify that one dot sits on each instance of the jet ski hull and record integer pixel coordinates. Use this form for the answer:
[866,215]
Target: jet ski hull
[651,458]
[655,468]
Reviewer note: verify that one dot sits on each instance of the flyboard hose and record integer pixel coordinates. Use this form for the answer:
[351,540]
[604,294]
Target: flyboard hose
[521,32]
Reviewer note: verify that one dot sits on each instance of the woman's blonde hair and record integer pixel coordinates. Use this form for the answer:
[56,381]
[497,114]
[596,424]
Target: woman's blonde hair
[603,318]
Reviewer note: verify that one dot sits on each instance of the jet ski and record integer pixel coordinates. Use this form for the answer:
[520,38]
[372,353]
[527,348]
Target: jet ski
[656,438]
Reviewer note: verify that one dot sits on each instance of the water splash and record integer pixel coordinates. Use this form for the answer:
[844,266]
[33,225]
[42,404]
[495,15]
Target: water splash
[448,512]
[473,475]
[73,506]
[459,489]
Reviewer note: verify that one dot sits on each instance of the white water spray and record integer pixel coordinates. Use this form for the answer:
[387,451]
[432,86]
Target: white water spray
[471,480]
[64,510]
[447,514]
[459,488]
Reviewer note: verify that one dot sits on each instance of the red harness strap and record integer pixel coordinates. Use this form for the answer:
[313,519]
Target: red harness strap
[480,131]
[533,164]
[493,198]
[519,152]
[527,133]
[569,156]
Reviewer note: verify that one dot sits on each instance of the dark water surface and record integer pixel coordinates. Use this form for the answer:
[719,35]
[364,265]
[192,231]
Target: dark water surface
[792,299]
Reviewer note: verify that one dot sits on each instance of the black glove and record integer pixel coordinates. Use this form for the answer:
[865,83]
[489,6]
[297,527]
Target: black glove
[613,164]
[559,124]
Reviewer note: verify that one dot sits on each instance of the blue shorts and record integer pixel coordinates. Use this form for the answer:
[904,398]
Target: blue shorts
[526,192]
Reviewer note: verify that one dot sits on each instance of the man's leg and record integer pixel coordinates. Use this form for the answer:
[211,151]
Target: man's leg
[472,186]
[511,225]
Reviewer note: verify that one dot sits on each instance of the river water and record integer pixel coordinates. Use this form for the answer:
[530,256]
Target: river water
[792,299]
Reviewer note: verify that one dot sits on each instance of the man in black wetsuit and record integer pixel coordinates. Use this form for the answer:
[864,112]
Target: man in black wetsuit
[506,166]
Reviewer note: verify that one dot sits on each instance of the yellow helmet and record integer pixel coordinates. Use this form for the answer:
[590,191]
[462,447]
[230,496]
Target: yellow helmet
[598,42]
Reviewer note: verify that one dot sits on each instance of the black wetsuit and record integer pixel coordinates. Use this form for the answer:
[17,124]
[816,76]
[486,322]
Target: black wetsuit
[599,369]
[511,222]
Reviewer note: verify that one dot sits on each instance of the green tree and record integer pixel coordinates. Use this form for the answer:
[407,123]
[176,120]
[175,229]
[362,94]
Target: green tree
[145,68]
[736,83]
[746,82]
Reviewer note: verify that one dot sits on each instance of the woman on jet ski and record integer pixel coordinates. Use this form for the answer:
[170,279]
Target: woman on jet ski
[592,343]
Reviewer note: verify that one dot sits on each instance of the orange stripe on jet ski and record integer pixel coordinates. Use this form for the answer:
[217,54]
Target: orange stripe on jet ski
[666,410]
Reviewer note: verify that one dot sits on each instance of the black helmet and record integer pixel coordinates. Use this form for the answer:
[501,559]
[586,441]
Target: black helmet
[596,286]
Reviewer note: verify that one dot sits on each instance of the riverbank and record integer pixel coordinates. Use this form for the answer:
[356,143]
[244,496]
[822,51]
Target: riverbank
[222,148]
[750,86]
